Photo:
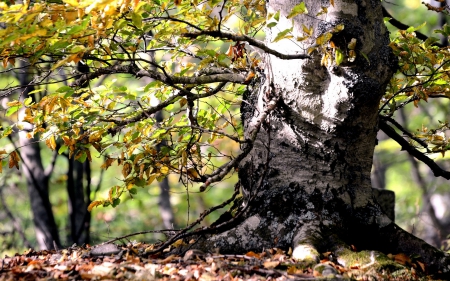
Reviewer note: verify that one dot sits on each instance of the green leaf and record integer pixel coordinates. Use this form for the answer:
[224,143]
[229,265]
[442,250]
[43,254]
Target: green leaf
[339,56]
[121,23]
[64,89]
[7,131]
[12,110]
[151,85]
[430,41]
[62,149]
[136,19]
[365,56]
[271,24]
[75,29]
[28,101]
[440,82]
[297,10]
[83,157]
[116,202]
[140,183]
[277,16]
[420,26]
[282,34]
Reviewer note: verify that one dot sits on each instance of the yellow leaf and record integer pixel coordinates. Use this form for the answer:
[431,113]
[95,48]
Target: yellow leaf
[164,170]
[307,30]
[13,103]
[152,178]
[271,264]
[229,53]
[50,142]
[73,3]
[352,44]
[249,77]
[183,158]
[94,204]
[351,56]
[338,28]
[110,195]
[310,50]
[192,173]
[324,38]
[178,243]
[325,58]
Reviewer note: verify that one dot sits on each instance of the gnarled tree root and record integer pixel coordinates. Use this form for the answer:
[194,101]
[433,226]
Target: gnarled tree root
[312,238]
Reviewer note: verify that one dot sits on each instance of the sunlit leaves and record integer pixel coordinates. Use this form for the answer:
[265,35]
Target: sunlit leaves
[297,10]
[324,38]
[50,142]
[423,74]
[285,34]
[118,122]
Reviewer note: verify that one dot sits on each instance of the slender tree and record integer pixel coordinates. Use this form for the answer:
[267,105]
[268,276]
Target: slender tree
[37,177]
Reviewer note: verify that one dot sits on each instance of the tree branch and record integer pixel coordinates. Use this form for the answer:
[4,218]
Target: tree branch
[404,131]
[163,77]
[198,80]
[437,171]
[223,170]
[403,26]
[250,40]
[151,110]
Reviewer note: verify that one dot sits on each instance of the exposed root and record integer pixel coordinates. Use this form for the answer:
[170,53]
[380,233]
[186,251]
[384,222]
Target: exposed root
[312,239]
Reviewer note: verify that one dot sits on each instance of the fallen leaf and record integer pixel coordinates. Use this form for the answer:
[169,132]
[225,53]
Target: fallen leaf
[402,259]
[422,265]
[270,264]
[252,255]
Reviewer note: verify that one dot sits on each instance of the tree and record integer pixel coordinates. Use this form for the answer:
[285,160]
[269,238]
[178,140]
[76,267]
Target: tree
[312,97]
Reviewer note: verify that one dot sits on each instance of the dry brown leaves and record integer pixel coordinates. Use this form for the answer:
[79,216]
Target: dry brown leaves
[131,263]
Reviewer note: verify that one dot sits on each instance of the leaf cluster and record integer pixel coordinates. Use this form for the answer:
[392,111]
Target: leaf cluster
[423,74]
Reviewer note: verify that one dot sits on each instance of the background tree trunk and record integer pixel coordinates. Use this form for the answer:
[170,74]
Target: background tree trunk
[79,191]
[37,179]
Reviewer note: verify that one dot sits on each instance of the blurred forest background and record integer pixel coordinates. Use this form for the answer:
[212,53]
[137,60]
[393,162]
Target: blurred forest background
[422,201]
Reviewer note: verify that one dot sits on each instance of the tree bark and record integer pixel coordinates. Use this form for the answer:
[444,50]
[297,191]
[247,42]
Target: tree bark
[37,180]
[306,183]
[165,207]
[79,190]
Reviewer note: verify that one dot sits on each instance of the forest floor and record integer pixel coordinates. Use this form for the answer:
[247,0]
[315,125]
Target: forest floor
[133,262]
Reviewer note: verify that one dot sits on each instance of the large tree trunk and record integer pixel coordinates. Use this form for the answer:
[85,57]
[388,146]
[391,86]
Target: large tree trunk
[307,180]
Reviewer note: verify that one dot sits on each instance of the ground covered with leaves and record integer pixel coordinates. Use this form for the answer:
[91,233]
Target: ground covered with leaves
[133,262]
